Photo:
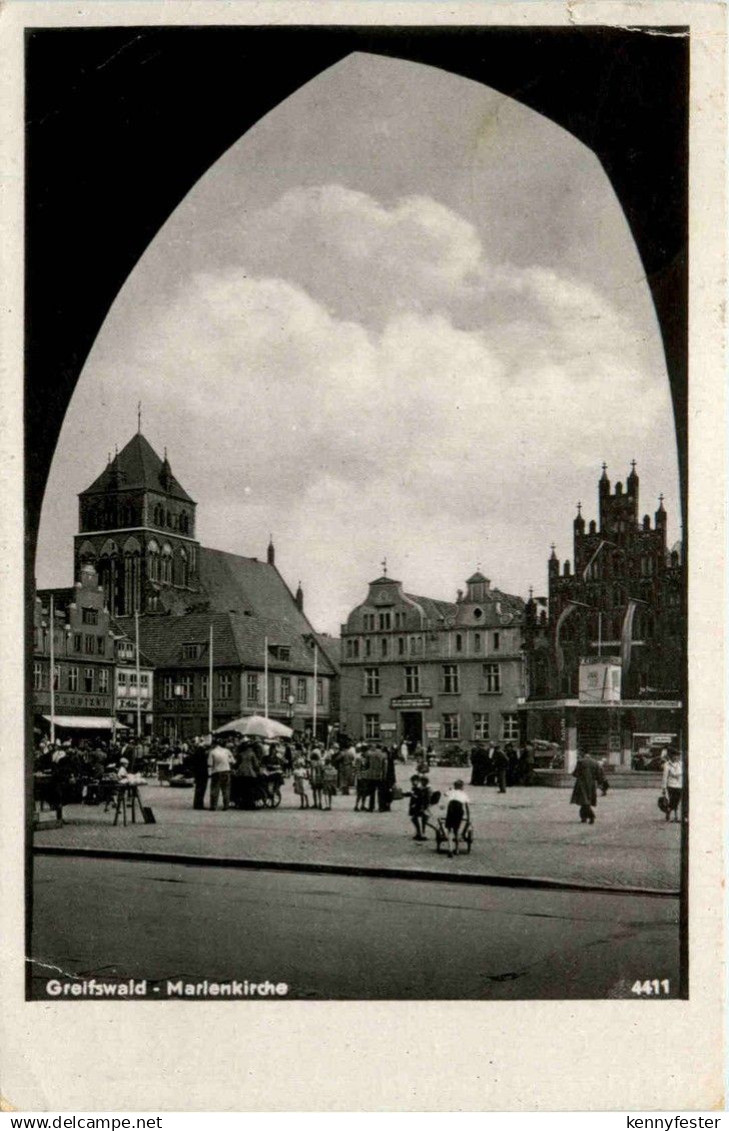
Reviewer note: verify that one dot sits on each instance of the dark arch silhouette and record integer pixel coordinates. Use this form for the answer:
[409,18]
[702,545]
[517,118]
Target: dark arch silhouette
[123,121]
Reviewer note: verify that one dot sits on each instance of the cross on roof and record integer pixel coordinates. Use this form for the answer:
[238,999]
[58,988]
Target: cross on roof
[383,563]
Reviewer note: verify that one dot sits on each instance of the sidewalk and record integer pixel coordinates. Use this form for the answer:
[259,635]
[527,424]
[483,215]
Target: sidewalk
[526,832]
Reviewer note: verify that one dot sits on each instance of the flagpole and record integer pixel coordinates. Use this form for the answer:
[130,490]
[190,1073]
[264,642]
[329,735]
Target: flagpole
[265,677]
[210,684]
[53,672]
[139,688]
[316,694]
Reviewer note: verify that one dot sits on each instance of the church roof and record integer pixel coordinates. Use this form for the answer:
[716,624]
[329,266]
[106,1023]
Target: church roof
[239,639]
[237,584]
[137,466]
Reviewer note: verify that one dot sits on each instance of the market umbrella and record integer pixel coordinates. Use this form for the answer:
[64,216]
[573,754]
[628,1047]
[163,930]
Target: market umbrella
[258,726]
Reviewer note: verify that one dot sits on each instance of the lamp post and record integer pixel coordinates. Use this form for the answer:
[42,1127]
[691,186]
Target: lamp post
[291,702]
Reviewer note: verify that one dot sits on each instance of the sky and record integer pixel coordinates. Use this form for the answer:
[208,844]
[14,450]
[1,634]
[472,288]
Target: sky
[402,317]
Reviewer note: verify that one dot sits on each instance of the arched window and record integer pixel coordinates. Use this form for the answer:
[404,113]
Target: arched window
[183,573]
[184,523]
[152,560]
[169,519]
[166,565]
[87,553]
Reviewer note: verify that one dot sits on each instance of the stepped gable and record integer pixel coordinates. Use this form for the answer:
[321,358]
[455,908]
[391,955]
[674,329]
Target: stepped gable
[137,467]
[235,584]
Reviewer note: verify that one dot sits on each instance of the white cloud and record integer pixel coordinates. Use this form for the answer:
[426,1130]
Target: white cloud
[387,390]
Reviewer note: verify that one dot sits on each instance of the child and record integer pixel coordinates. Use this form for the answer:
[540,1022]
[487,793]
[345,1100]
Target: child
[316,777]
[301,783]
[457,812]
[330,784]
[419,799]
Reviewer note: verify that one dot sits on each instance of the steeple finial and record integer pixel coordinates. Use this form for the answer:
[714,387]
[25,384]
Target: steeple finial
[271,552]
[383,563]
[632,464]
[531,592]
[579,508]
[139,417]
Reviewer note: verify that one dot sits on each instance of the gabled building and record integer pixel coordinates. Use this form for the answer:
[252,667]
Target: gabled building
[83,660]
[137,527]
[605,664]
[427,670]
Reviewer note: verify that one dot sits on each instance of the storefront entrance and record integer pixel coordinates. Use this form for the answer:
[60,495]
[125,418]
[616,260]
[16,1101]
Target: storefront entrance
[411,728]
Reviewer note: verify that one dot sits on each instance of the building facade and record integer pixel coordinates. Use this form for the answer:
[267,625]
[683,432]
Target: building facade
[134,685]
[431,671]
[83,647]
[605,662]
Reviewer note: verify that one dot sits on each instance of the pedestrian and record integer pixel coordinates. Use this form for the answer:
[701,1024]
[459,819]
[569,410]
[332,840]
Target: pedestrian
[301,783]
[329,785]
[404,751]
[418,805]
[385,790]
[587,774]
[457,814]
[247,774]
[362,778]
[378,780]
[673,783]
[199,763]
[500,764]
[316,778]
[345,768]
[512,769]
[219,763]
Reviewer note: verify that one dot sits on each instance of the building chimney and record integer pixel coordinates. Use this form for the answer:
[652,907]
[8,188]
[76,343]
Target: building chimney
[271,554]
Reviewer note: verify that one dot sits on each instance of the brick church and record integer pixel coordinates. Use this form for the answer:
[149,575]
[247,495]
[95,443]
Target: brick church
[137,532]
[605,662]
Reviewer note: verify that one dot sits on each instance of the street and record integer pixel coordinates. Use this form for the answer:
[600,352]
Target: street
[525,832]
[343,937]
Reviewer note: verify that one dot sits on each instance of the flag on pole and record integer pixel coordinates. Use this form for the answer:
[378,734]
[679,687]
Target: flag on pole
[626,636]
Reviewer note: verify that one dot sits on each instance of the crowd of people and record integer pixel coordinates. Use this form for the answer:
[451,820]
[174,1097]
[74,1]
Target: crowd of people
[502,766]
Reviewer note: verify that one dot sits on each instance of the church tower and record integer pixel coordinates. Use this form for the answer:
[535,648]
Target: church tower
[137,527]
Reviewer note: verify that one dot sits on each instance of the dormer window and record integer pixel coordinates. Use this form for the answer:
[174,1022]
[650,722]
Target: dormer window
[192,651]
[280,652]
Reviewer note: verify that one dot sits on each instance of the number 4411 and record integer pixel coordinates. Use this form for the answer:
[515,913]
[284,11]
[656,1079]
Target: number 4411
[653,988]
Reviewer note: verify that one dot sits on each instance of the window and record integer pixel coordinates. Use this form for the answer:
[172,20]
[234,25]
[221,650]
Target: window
[301,688]
[416,645]
[132,679]
[451,682]
[477,642]
[89,645]
[225,685]
[385,621]
[401,645]
[168,687]
[412,679]
[480,725]
[399,620]
[372,726]
[103,680]
[192,651]
[285,689]
[383,646]
[252,687]
[477,613]
[101,645]
[451,726]
[204,686]
[492,678]
[459,642]
[90,616]
[144,679]
[368,647]
[372,681]
[320,692]
[281,652]
[352,649]
[510,727]
[88,679]
[497,641]
[37,676]
[186,686]
[77,641]
[73,679]
[369,622]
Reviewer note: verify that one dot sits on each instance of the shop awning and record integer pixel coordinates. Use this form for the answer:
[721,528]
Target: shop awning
[85,722]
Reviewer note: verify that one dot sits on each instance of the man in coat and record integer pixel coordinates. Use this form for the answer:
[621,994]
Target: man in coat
[588,774]
[377,777]
[501,764]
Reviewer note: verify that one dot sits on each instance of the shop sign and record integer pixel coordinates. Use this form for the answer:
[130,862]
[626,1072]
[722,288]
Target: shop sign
[408,702]
[432,730]
[388,727]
